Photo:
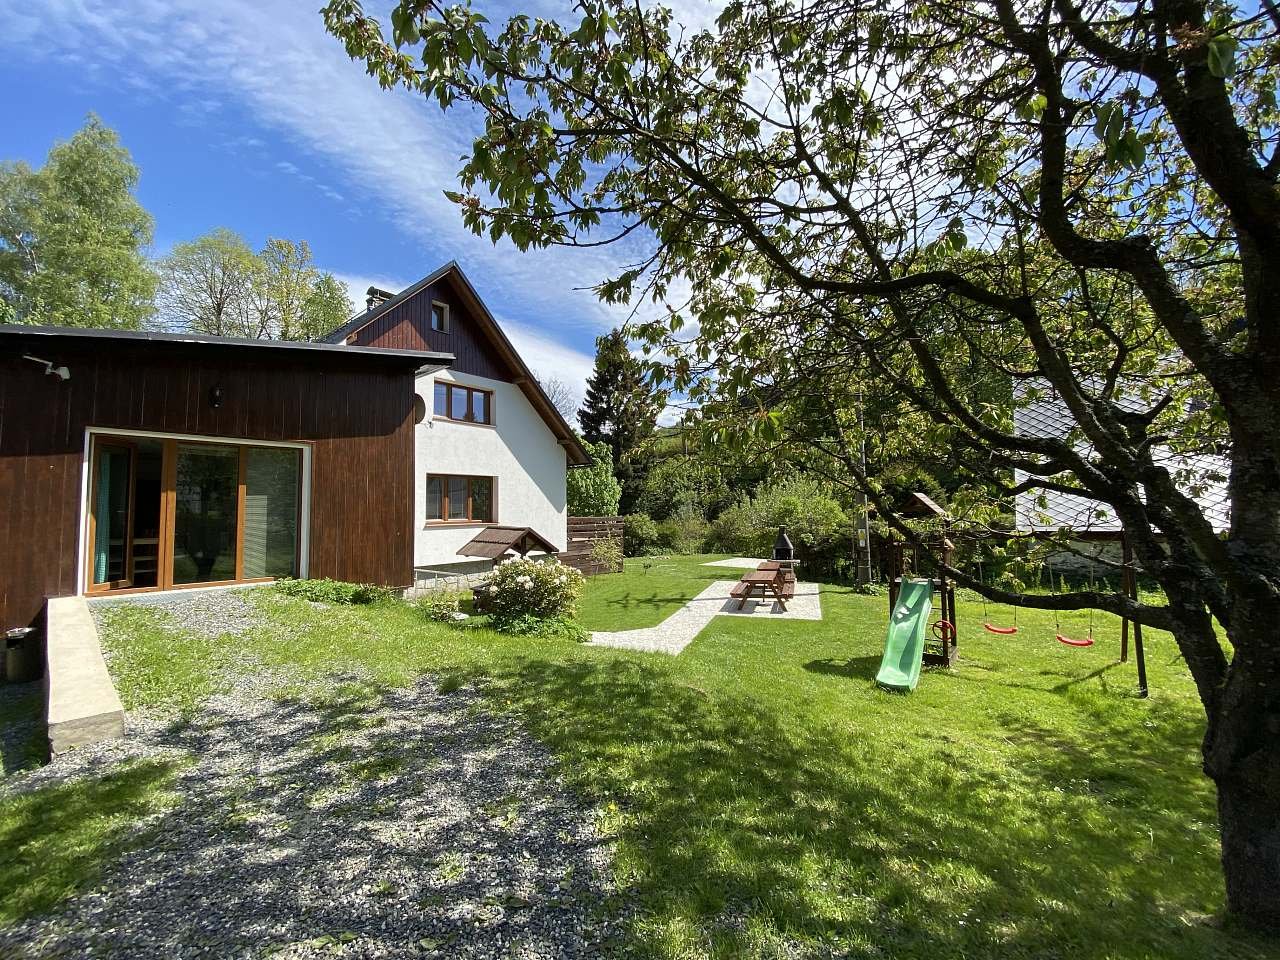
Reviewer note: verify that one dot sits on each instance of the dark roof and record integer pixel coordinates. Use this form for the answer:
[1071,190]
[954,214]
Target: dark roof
[489,326]
[493,542]
[423,360]
[1200,476]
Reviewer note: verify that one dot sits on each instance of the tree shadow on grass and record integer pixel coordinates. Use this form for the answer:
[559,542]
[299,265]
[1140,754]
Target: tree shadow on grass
[55,840]
[629,601]
[737,827]
[854,668]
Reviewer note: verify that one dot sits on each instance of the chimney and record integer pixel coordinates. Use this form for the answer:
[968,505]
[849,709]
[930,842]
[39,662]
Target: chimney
[375,296]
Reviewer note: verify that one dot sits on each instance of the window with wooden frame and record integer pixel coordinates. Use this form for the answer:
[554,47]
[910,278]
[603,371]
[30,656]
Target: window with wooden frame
[464,404]
[453,499]
[439,316]
[165,512]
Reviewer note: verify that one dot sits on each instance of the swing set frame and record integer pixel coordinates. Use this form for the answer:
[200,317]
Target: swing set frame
[941,646]
[1128,583]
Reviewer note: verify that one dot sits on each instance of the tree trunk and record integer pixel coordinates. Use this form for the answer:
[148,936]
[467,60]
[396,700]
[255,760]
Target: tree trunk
[1242,756]
[1249,820]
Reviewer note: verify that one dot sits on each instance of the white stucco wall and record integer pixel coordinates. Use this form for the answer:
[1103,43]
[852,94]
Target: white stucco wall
[519,450]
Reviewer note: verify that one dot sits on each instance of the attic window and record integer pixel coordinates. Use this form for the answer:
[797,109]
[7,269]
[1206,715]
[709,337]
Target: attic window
[439,316]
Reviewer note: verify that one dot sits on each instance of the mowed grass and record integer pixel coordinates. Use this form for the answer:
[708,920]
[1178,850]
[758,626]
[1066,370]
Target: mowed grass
[763,794]
[56,840]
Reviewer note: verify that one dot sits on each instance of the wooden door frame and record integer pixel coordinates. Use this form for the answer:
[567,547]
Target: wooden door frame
[95,457]
[96,437]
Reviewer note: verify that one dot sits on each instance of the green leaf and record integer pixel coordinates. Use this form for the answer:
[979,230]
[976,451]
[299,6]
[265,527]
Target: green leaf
[1032,107]
[1222,56]
[404,29]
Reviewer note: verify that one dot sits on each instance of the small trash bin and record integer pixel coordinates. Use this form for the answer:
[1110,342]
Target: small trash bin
[22,655]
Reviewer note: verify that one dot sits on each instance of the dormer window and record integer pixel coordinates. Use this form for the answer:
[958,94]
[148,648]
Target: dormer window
[439,316]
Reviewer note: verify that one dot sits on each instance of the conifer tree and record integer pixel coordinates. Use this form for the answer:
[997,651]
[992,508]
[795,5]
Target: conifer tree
[620,410]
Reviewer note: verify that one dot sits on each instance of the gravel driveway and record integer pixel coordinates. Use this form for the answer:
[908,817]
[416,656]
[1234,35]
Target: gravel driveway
[365,823]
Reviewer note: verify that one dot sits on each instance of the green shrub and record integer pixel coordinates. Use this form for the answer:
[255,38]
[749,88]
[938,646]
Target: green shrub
[639,535]
[815,522]
[334,591]
[682,482]
[593,491]
[685,532]
[441,605]
[519,588]
[608,554]
[546,628]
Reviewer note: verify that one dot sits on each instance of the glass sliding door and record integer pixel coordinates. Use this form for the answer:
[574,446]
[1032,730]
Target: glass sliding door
[165,513]
[206,498]
[271,480]
[111,500]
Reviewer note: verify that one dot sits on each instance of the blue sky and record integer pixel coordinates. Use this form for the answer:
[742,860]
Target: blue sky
[245,114]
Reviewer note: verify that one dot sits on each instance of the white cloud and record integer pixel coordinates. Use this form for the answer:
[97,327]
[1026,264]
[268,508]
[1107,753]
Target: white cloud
[358,285]
[397,153]
[549,358]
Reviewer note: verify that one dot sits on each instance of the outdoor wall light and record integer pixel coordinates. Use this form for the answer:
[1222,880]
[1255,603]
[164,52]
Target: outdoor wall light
[215,397]
[62,373]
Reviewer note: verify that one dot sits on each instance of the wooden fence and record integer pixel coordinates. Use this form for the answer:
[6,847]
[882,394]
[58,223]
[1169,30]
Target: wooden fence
[584,532]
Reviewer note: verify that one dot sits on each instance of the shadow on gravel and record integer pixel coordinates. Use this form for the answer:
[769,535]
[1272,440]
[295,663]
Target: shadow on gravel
[389,823]
[22,739]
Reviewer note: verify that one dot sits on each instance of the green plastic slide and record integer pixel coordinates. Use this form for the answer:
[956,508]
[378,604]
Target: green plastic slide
[904,644]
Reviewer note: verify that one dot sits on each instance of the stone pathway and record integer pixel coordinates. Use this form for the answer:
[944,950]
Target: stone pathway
[677,631]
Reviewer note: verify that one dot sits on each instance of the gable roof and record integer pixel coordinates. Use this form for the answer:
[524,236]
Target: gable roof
[489,328]
[493,542]
[1201,476]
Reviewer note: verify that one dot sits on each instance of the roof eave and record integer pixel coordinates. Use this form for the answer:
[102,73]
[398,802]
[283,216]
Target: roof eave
[574,450]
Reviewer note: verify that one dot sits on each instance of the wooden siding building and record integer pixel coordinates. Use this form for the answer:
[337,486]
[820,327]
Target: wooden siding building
[133,461]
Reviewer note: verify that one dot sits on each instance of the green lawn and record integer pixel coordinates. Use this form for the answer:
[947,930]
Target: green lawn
[651,589]
[763,793]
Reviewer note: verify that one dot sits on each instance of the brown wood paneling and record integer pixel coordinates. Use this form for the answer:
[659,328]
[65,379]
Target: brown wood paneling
[356,413]
[583,532]
[407,326]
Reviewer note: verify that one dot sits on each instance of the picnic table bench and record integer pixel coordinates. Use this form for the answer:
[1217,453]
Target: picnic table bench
[768,578]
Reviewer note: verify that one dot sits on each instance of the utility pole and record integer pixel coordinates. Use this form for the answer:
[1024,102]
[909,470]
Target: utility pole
[863,547]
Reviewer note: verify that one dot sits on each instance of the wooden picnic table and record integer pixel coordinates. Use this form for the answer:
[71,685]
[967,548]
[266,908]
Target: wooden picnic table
[765,581]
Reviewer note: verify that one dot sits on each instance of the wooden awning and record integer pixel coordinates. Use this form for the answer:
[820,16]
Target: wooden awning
[493,542]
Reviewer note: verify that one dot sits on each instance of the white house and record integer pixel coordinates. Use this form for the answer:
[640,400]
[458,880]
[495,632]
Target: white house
[490,449]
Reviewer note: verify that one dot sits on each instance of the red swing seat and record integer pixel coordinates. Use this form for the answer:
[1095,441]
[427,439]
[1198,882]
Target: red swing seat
[1072,642]
[992,628]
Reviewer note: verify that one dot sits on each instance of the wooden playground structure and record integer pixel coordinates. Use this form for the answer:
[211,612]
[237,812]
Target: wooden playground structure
[941,642]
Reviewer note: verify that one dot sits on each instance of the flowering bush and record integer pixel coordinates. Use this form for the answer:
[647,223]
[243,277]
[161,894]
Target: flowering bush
[519,588]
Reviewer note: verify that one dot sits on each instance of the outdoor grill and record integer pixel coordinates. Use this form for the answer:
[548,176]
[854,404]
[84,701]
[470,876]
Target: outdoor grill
[783,550]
